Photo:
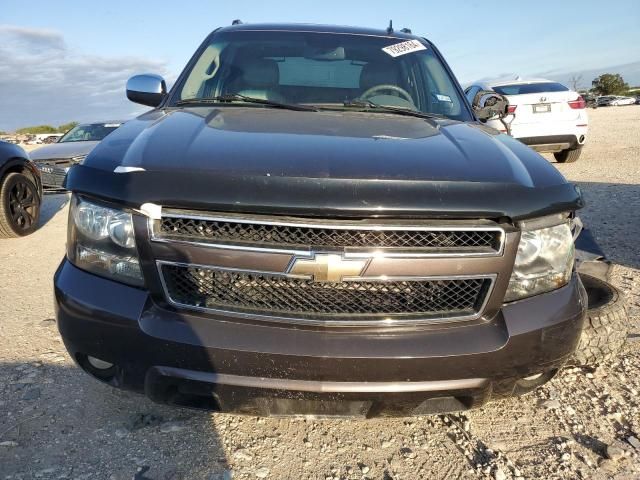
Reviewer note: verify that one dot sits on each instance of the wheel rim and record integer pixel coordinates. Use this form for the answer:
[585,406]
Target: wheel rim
[23,205]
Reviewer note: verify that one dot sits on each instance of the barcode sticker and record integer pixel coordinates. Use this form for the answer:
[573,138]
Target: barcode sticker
[403,48]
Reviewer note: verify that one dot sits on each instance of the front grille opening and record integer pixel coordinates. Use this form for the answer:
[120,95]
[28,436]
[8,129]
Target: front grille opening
[272,295]
[300,236]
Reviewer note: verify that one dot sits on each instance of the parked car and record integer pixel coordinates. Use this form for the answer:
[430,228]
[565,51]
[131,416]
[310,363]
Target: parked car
[606,100]
[314,220]
[20,192]
[591,100]
[546,115]
[54,160]
[619,101]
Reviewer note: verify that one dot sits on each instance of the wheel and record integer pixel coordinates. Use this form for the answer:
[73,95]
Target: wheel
[19,206]
[568,156]
[606,326]
[382,88]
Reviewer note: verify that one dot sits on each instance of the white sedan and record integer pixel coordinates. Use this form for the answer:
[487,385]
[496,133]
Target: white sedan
[545,115]
[619,101]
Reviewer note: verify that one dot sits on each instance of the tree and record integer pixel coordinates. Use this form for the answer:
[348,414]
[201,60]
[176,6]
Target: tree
[609,84]
[66,127]
[37,129]
[575,82]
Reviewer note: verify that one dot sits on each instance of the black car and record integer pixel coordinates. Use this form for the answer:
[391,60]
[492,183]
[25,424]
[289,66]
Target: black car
[20,192]
[55,159]
[314,220]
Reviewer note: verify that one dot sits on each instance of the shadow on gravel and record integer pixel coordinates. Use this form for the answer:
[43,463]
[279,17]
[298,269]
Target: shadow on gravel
[612,213]
[592,443]
[57,422]
[52,204]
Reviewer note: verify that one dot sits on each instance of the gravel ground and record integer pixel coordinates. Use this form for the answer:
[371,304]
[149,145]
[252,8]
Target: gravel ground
[56,422]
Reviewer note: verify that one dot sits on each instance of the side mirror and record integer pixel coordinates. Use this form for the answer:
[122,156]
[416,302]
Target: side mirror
[148,89]
[488,104]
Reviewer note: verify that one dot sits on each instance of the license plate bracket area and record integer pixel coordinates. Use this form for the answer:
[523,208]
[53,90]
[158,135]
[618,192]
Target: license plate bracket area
[542,108]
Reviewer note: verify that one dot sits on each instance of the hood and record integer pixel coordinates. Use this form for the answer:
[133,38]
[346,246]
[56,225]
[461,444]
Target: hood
[256,159]
[62,150]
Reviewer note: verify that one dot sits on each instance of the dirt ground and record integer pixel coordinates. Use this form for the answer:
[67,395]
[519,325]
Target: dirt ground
[58,423]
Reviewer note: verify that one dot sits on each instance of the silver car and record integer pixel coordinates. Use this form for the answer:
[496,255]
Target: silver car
[54,160]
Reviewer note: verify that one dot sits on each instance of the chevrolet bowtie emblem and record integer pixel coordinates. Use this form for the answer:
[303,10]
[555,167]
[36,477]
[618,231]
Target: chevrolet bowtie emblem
[327,267]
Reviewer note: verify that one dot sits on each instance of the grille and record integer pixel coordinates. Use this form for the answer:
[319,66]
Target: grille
[53,179]
[291,235]
[276,295]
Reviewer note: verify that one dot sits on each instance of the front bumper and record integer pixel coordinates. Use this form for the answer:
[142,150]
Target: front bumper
[200,361]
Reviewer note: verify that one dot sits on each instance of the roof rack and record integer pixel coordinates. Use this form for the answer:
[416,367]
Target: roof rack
[237,21]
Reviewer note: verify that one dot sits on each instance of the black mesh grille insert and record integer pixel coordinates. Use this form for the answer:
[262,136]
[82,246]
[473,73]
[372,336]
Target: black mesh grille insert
[228,231]
[277,295]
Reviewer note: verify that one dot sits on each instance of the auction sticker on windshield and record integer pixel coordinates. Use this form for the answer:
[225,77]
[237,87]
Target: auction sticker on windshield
[404,47]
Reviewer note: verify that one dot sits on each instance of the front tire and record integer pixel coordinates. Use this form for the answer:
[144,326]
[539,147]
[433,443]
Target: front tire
[568,156]
[606,326]
[19,206]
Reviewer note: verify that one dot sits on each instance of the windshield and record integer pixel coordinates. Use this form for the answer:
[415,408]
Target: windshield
[524,88]
[92,132]
[323,70]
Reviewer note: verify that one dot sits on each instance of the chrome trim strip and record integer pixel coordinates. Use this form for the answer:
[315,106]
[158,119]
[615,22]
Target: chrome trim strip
[160,263]
[224,246]
[349,252]
[337,224]
[348,320]
[121,169]
[318,386]
[417,254]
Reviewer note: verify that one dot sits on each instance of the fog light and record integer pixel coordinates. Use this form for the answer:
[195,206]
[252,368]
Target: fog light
[99,364]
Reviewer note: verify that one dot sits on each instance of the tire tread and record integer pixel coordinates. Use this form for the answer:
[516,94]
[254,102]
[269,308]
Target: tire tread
[568,156]
[605,328]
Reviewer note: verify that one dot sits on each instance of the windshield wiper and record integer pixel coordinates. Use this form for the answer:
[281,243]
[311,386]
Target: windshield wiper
[236,97]
[368,104]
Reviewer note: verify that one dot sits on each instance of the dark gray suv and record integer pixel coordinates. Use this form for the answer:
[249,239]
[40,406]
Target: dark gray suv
[315,221]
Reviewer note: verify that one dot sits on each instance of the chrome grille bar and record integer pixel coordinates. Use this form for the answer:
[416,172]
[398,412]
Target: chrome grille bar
[354,238]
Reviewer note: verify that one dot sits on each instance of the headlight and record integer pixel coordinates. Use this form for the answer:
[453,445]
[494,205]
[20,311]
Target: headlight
[544,262]
[101,240]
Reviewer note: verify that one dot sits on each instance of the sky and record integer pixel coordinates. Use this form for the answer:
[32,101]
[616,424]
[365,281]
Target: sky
[69,60]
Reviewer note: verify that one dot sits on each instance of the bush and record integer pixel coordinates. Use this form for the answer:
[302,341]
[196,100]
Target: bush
[37,129]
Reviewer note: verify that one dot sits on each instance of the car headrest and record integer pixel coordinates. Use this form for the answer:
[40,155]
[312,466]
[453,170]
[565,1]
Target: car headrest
[378,73]
[260,72]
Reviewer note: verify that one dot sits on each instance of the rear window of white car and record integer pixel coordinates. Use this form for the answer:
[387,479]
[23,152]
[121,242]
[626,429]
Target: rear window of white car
[524,88]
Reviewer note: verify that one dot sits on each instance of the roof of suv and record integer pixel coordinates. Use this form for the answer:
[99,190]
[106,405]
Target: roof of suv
[311,27]
[516,81]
